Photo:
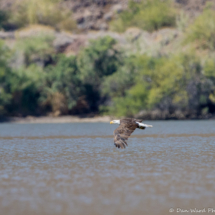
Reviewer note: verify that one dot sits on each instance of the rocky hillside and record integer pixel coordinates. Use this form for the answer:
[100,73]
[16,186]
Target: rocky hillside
[93,17]
[96,14]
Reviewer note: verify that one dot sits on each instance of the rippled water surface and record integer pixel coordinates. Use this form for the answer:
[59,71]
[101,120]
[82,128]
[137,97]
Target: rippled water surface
[75,169]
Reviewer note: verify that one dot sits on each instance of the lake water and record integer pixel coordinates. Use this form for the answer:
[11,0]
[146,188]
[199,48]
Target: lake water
[74,168]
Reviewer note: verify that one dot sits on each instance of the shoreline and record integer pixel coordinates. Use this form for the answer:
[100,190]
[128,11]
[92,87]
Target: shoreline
[59,119]
[76,119]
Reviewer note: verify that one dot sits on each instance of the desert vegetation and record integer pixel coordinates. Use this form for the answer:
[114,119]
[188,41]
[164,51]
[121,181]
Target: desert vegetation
[148,15]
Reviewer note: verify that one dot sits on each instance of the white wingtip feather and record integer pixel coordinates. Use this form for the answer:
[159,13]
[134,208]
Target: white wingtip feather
[145,125]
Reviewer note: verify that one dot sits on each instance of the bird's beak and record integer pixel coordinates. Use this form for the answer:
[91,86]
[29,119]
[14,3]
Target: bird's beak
[111,122]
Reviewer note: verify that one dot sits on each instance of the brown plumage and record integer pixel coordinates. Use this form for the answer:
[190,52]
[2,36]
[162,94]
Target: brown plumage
[127,126]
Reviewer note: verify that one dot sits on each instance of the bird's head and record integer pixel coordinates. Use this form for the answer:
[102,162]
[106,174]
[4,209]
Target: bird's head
[115,122]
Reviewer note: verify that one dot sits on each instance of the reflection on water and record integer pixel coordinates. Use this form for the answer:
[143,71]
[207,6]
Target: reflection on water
[75,169]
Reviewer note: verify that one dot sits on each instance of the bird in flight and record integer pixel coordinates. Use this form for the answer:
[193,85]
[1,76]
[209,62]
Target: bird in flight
[126,127]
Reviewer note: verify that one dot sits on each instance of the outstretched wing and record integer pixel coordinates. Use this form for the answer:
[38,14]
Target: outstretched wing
[119,142]
[122,133]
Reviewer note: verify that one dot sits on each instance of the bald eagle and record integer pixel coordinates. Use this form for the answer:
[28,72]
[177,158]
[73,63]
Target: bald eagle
[127,126]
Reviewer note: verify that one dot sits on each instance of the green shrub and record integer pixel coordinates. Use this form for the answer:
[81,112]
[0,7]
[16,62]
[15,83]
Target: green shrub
[63,86]
[209,71]
[129,105]
[209,68]
[116,84]
[45,12]
[3,18]
[149,15]
[168,84]
[36,48]
[96,62]
[25,87]
[5,96]
[99,59]
[202,31]
[19,88]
